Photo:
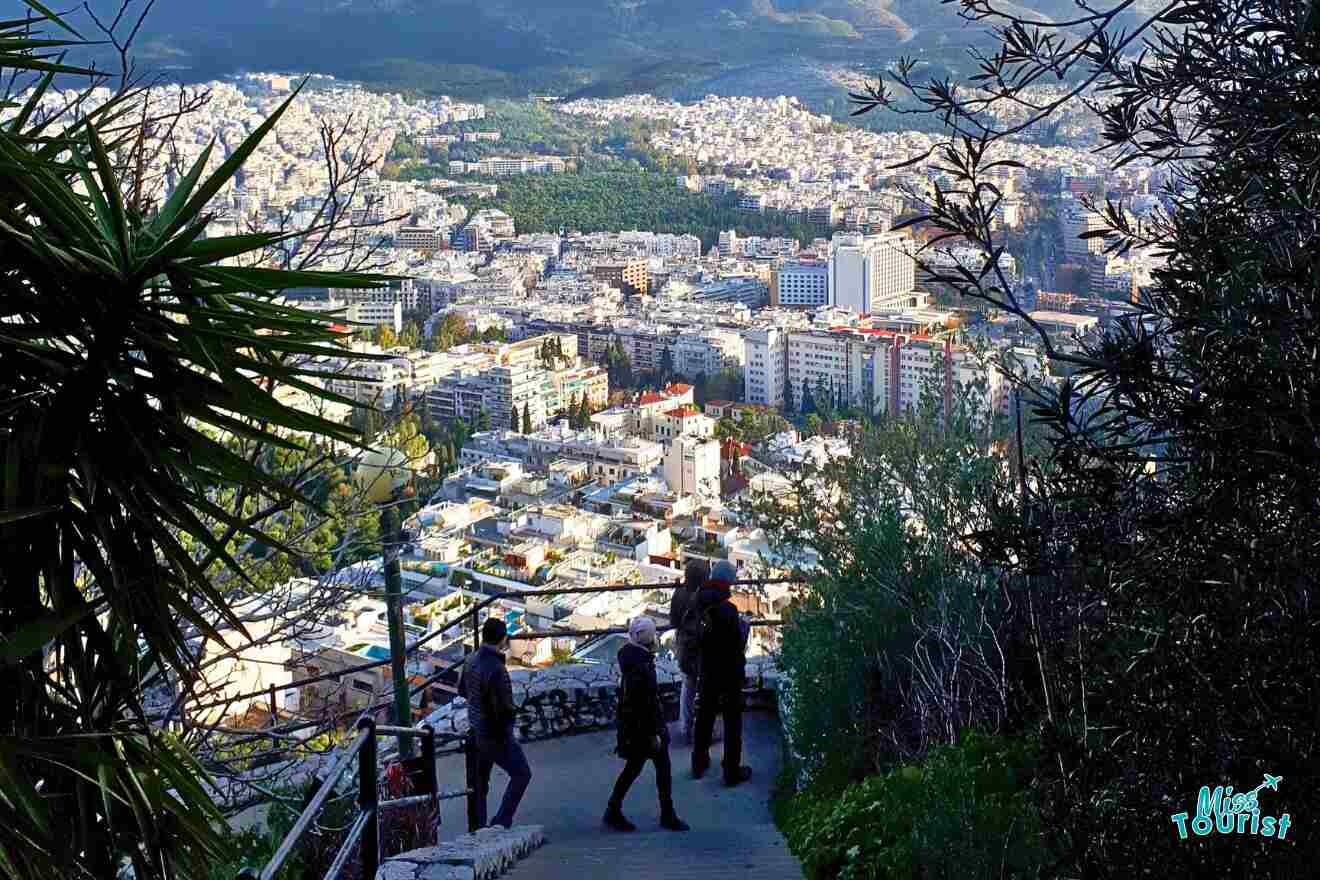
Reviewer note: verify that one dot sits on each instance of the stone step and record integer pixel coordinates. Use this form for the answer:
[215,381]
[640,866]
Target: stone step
[482,855]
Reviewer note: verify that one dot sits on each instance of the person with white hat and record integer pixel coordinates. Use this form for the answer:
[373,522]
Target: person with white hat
[643,734]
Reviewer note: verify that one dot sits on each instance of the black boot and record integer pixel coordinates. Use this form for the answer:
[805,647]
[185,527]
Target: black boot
[700,765]
[670,822]
[615,819]
[737,777]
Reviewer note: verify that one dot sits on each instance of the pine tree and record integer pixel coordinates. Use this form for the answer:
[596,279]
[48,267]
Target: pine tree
[513,418]
[526,419]
[483,420]
[584,414]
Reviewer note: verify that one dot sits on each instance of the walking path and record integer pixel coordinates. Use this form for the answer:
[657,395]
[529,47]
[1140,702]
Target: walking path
[732,836]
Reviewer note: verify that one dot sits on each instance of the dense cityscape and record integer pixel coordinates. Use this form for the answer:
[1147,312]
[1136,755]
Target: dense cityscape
[927,404]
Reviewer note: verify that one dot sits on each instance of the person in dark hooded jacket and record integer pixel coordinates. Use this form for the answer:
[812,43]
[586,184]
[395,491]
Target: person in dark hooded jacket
[683,616]
[643,734]
[723,672]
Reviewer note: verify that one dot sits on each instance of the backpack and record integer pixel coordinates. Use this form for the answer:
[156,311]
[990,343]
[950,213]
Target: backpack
[696,625]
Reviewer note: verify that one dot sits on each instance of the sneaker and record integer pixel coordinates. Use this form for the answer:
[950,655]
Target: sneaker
[742,775]
[616,820]
[671,822]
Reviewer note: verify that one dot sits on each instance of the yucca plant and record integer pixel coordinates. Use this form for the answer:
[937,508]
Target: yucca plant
[129,349]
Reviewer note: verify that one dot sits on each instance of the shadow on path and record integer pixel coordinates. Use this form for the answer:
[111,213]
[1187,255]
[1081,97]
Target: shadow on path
[733,834]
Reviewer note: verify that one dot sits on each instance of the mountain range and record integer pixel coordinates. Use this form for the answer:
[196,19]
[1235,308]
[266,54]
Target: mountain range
[494,48]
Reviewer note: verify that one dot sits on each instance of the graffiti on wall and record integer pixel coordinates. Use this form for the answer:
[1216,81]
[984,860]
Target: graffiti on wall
[571,699]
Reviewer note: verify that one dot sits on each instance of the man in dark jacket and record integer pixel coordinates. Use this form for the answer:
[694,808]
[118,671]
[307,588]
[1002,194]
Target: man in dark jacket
[684,618]
[643,734]
[489,693]
[723,672]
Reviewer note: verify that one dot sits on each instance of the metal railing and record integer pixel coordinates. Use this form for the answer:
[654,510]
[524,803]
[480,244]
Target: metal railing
[366,827]
[365,830]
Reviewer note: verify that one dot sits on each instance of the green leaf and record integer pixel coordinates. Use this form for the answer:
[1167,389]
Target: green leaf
[31,636]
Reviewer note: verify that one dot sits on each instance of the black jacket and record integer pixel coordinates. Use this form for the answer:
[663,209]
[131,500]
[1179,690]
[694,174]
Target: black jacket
[686,647]
[724,647]
[640,715]
[489,693]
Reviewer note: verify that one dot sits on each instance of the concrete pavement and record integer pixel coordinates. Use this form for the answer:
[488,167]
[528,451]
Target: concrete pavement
[732,836]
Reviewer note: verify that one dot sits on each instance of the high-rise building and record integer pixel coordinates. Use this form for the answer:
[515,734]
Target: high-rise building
[872,273]
[1076,222]
[803,284]
[765,370]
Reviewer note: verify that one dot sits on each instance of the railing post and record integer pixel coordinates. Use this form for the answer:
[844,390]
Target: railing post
[476,630]
[428,755]
[472,773]
[368,801]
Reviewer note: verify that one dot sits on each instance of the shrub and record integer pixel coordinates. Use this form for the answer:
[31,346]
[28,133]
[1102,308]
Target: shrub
[965,812]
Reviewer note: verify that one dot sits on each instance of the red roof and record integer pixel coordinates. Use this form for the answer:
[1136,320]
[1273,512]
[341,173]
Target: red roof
[684,411]
[678,388]
[651,397]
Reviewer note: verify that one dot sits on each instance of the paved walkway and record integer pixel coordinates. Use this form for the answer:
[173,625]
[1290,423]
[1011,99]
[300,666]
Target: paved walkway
[732,836]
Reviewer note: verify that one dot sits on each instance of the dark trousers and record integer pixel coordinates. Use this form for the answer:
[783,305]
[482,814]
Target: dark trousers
[664,779]
[727,701]
[508,756]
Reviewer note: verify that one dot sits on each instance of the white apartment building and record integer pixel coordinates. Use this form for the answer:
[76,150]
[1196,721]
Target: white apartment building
[378,383]
[516,386]
[873,272]
[610,458]
[707,351]
[883,370]
[377,314]
[728,243]
[1077,221]
[801,285]
[765,370]
[692,466]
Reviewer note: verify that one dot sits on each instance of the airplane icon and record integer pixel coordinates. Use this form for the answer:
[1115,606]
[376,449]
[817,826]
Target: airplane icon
[1270,782]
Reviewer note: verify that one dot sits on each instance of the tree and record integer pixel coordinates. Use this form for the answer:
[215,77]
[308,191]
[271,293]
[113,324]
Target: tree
[1167,544]
[513,418]
[384,336]
[808,404]
[526,419]
[584,413]
[135,351]
[923,620]
[483,419]
[411,336]
[452,331]
[666,366]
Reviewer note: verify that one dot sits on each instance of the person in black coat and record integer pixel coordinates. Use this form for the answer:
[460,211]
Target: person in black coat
[723,672]
[643,734]
[484,683]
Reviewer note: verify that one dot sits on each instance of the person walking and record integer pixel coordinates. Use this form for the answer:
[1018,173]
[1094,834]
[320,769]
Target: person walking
[489,693]
[684,618]
[643,734]
[723,672]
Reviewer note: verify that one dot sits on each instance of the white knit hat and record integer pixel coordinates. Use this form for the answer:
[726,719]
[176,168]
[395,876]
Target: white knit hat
[641,632]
